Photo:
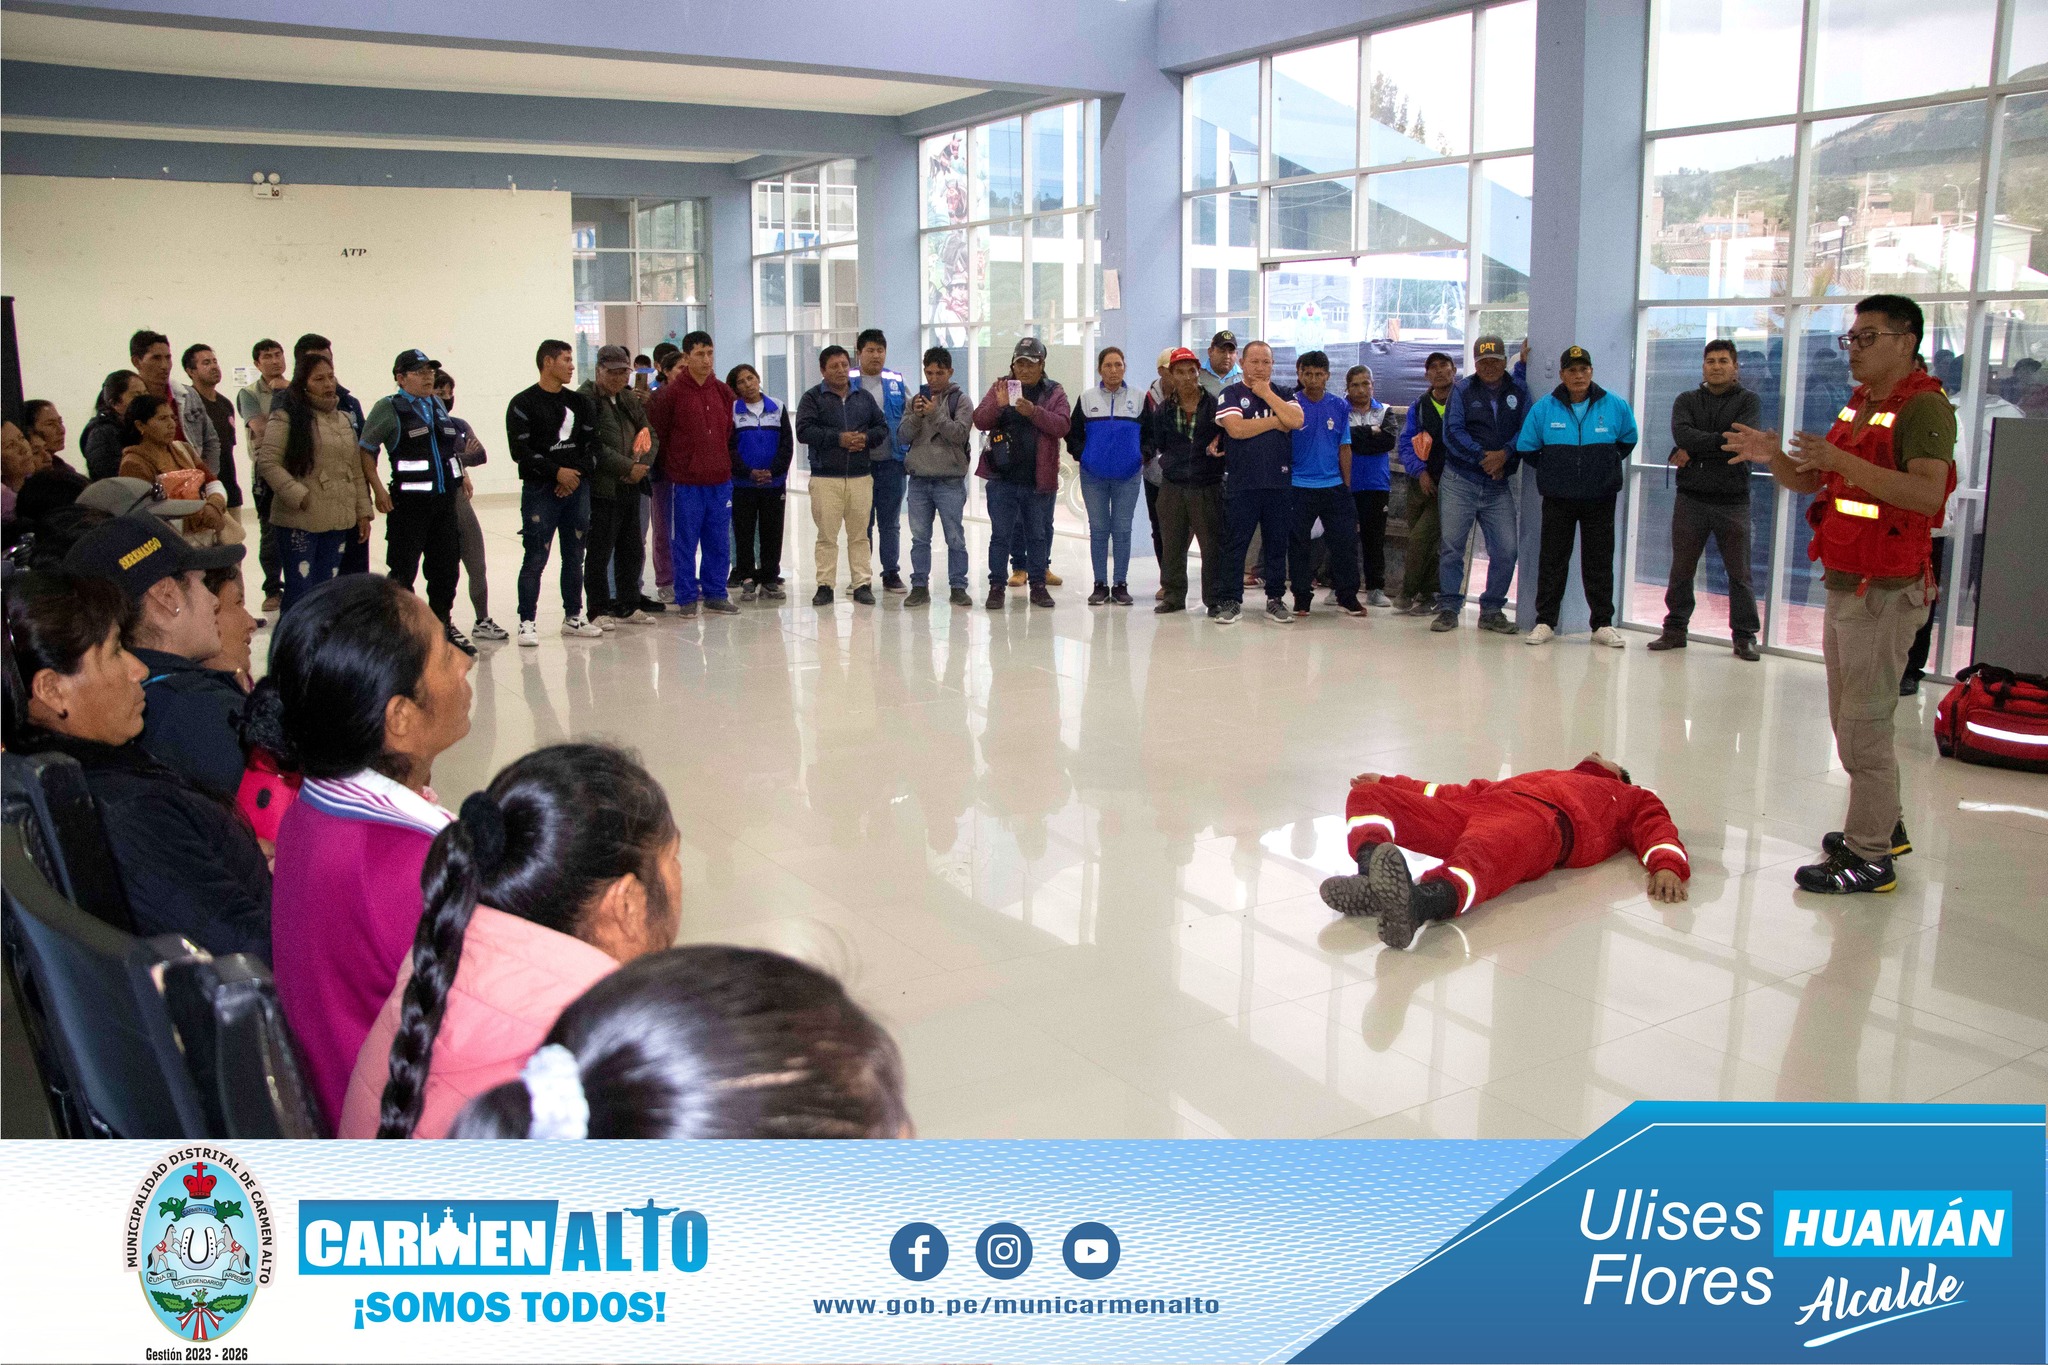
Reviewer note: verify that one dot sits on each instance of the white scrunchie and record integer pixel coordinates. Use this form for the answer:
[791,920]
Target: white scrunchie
[554,1093]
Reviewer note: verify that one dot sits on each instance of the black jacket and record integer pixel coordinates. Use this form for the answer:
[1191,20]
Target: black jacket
[552,431]
[191,721]
[1185,459]
[1699,422]
[821,415]
[188,863]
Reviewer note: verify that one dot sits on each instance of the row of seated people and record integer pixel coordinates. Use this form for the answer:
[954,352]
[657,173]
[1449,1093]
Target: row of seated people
[505,971]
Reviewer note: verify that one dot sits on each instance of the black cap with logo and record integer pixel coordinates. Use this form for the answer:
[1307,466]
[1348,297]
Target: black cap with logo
[137,550]
[1490,347]
[1575,355]
[414,359]
[1225,340]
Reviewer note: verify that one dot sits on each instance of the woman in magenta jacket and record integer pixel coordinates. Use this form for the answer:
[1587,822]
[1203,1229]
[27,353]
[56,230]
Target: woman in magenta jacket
[364,693]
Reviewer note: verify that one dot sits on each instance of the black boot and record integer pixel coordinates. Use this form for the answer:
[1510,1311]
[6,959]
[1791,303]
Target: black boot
[1404,907]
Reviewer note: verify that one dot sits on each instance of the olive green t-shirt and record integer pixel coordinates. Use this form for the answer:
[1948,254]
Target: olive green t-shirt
[1925,430]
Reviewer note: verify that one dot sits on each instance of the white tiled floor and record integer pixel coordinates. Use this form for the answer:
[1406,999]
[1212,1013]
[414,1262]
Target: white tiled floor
[1071,858]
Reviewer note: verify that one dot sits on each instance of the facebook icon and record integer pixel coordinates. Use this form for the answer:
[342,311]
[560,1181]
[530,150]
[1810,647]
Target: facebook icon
[918,1251]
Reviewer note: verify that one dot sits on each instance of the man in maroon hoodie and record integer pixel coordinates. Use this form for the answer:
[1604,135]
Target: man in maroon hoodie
[692,419]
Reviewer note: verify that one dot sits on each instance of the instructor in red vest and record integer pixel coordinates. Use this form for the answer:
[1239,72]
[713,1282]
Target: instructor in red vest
[1880,481]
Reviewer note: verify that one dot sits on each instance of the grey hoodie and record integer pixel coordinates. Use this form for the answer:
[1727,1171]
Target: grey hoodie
[939,439]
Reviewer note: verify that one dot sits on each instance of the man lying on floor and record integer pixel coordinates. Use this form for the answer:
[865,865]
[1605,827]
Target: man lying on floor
[1483,837]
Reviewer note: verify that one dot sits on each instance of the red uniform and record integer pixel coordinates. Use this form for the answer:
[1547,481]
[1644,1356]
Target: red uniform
[1494,835]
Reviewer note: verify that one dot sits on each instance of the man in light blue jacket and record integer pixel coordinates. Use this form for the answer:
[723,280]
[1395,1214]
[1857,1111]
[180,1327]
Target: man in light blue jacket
[892,396]
[1578,438]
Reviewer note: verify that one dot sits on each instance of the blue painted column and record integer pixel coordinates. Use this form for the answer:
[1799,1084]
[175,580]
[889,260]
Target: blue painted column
[1138,218]
[1591,83]
[889,287]
[732,272]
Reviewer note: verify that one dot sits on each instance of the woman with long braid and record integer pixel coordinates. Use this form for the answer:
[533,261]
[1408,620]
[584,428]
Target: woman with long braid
[564,867]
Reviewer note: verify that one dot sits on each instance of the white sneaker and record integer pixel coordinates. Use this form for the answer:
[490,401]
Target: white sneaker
[1542,635]
[529,635]
[635,617]
[1609,636]
[581,629]
[604,623]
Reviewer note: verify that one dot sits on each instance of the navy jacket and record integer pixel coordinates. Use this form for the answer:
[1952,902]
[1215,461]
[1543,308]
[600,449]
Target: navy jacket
[821,415]
[1480,419]
[191,721]
[1578,448]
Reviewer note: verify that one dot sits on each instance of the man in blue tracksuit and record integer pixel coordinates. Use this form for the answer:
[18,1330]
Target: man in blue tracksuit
[1578,436]
[892,396]
[1480,427]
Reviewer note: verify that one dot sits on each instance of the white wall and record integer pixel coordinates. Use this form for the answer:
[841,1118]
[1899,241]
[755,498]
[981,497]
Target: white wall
[476,278]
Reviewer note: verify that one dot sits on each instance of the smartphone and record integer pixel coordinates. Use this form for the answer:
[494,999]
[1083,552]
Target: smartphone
[1016,389]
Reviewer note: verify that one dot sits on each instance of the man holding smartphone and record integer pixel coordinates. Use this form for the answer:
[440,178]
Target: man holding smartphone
[1880,482]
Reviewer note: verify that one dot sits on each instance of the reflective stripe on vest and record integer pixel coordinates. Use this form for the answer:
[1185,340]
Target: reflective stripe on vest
[1853,532]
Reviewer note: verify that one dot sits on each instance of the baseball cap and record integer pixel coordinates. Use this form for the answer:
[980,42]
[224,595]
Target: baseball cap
[1490,346]
[137,551]
[1182,353]
[1028,348]
[1574,355]
[119,497]
[414,359]
[614,358]
[1225,338]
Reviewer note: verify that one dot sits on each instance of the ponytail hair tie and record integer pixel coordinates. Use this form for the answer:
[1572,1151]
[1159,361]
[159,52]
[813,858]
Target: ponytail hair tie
[485,822]
[554,1094]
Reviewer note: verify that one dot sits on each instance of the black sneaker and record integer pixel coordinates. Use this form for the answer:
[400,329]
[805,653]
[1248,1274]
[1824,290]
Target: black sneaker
[1119,595]
[1745,648]
[1445,620]
[822,597]
[1844,874]
[1169,608]
[893,582]
[1403,906]
[1498,623]
[1302,608]
[959,598]
[1909,685]
[918,597]
[864,595]
[1278,613]
[1833,844]
[1352,608]
[1664,642]
[1215,609]
[653,606]
[458,639]
[1099,596]
[721,606]
[995,597]
[1039,596]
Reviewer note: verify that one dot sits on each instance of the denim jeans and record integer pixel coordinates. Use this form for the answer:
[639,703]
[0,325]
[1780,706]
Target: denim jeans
[544,518]
[885,522]
[309,558]
[1019,519]
[947,497]
[1460,502]
[1111,504]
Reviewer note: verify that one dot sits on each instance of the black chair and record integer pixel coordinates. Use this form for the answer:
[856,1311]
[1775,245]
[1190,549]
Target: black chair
[113,1064]
[48,795]
[239,1049]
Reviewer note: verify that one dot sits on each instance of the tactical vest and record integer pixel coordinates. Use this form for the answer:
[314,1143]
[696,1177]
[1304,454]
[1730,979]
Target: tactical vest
[1853,532]
[426,455]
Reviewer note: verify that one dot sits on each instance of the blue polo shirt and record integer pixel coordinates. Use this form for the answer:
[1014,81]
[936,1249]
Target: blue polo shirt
[1327,427]
[1262,461]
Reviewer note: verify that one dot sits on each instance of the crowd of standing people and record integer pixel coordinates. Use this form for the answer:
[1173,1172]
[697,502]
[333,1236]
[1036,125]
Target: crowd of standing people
[497,970]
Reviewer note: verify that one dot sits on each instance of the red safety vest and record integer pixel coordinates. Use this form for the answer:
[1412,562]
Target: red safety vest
[1854,532]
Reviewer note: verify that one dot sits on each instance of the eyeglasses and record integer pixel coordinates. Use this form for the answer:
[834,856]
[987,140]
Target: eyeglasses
[1864,340]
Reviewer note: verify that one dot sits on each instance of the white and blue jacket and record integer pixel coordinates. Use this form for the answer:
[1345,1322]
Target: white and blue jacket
[1108,435]
[1578,448]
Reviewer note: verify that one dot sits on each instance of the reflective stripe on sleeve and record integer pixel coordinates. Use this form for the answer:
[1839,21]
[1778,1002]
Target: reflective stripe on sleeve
[1471,887]
[1380,820]
[1430,789]
[1673,848]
